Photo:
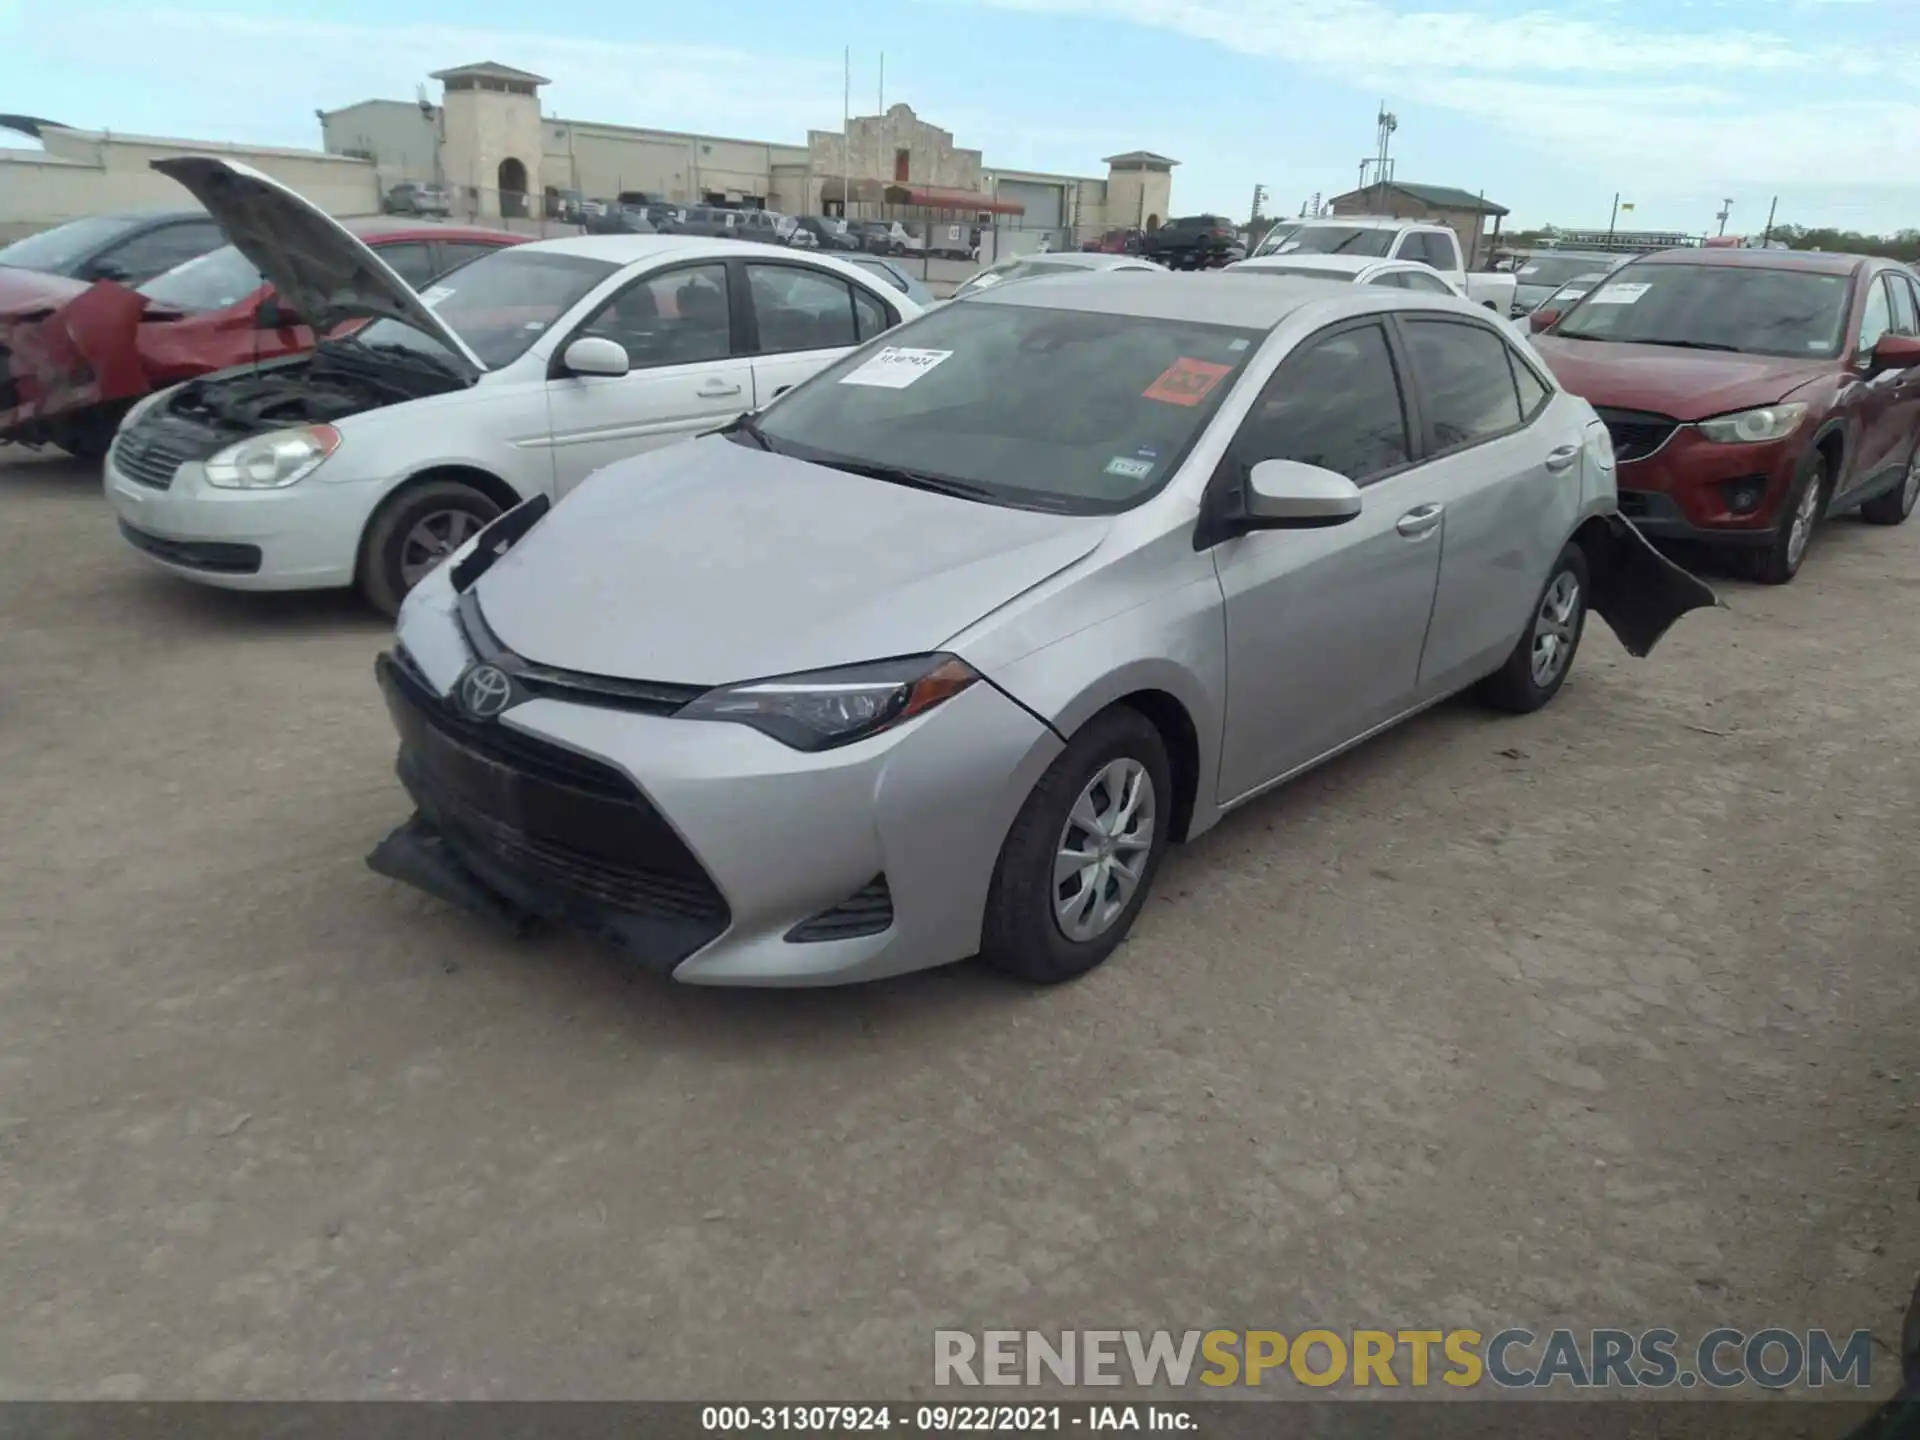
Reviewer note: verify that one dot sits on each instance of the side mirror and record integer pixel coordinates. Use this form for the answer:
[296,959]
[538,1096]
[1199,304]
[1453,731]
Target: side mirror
[1896,352]
[1287,495]
[1540,320]
[593,355]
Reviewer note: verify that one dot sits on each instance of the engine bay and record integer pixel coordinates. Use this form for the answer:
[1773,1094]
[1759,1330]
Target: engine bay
[217,411]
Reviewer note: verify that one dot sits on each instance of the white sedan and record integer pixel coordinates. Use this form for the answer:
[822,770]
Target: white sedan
[371,459]
[1047,262]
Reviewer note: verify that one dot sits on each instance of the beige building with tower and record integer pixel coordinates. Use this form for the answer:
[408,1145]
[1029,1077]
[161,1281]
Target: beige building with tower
[489,141]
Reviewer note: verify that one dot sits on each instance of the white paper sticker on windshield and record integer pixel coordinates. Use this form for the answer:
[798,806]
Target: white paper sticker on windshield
[895,367]
[1618,294]
[433,297]
[1529,270]
[1130,468]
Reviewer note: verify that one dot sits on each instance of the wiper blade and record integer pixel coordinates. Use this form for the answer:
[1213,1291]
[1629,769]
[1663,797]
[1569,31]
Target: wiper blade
[913,479]
[407,355]
[744,424]
[1692,345]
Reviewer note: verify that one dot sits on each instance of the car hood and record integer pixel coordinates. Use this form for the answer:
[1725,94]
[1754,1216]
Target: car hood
[709,562]
[25,294]
[315,264]
[1686,384]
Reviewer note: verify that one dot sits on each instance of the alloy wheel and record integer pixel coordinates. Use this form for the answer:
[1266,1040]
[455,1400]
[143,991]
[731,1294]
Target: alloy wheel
[1103,850]
[1804,514]
[433,538]
[1554,631]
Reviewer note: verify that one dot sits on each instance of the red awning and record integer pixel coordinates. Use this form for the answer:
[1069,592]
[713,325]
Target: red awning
[972,201]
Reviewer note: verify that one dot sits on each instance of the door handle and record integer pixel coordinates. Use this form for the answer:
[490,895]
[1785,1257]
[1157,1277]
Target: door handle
[717,387]
[1563,457]
[1419,520]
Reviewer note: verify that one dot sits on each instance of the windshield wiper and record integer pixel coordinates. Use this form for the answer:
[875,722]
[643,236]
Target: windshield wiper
[913,479]
[745,424]
[407,355]
[1691,345]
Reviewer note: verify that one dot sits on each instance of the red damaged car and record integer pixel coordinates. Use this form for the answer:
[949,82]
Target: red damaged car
[80,354]
[1750,393]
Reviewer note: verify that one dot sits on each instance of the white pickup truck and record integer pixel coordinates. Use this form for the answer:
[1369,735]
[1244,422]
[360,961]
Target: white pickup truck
[1385,239]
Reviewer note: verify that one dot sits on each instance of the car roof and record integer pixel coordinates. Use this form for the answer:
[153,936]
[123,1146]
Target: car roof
[629,249]
[1353,264]
[1815,262]
[1185,295]
[384,226]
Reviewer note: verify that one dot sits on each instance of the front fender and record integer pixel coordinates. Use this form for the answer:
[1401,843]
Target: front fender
[1637,590]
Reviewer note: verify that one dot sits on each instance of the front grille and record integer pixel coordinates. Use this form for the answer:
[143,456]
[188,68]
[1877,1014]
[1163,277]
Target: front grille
[1636,434]
[867,911]
[557,819]
[150,456]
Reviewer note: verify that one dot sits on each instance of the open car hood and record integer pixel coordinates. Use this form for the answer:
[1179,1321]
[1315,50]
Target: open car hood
[315,264]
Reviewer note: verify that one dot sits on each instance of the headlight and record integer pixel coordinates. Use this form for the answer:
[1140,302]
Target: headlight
[273,461]
[828,708]
[1751,427]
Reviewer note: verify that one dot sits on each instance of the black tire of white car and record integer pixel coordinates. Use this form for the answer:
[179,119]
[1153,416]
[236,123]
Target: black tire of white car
[1890,507]
[1775,562]
[382,580]
[1021,933]
[1514,686]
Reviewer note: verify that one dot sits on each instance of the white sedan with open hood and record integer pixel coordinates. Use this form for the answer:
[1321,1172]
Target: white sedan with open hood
[519,374]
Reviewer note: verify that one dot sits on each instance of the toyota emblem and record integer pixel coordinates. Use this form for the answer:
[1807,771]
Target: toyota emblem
[485,691]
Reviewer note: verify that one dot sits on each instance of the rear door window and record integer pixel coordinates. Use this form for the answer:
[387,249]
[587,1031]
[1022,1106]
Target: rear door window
[1467,389]
[800,309]
[412,261]
[1904,318]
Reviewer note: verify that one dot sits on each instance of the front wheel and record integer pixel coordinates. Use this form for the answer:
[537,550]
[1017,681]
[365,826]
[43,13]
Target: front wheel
[1538,666]
[1778,561]
[413,532]
[1081,856]
[1894,505]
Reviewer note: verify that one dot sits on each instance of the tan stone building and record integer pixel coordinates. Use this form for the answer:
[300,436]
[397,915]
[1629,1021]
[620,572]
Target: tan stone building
[488,140]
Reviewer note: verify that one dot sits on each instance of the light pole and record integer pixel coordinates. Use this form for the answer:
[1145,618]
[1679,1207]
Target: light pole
[1726,207]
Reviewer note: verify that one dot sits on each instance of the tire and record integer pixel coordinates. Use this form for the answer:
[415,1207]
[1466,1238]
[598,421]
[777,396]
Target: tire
[1896,504]
[1534,673]
[391,545]
[1779,560]
[1022,935]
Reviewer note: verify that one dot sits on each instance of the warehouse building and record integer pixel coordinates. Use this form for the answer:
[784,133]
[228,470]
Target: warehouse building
[489,142]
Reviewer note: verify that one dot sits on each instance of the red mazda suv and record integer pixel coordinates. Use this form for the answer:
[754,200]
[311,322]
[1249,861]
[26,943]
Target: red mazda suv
[1750,393]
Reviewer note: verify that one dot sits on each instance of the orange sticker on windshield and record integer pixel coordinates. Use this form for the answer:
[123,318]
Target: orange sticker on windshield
[1186,382]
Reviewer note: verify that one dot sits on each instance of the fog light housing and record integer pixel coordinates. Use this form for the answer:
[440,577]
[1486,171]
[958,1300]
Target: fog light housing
[1745,494]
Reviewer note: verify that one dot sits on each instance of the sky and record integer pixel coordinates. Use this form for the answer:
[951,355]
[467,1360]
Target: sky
[1551,108]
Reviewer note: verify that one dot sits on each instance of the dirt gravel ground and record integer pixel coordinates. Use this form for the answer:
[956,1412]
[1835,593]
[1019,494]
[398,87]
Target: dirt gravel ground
[1605,1016]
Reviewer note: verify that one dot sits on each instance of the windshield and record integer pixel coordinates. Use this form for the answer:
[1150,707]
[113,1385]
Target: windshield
[1339,240]
[498,304]
[213,282]
[1018,269]
[62,248]
[1722,307]
[1034,407]
[1275,238]
[1544,271]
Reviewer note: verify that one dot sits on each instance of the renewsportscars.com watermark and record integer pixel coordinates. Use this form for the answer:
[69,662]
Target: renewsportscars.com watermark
[1511,1359]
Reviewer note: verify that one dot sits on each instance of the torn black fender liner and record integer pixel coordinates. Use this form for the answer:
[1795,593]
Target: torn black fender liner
[417,854]
[1637,590]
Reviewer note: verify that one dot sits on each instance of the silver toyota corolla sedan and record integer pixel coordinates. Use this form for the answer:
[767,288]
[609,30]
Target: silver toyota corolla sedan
[939,653]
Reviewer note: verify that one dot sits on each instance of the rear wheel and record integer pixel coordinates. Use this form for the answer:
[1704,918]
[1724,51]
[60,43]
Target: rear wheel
[1078,863]
[1896,504]
[413,533]
[1538,666]
[1778,561]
